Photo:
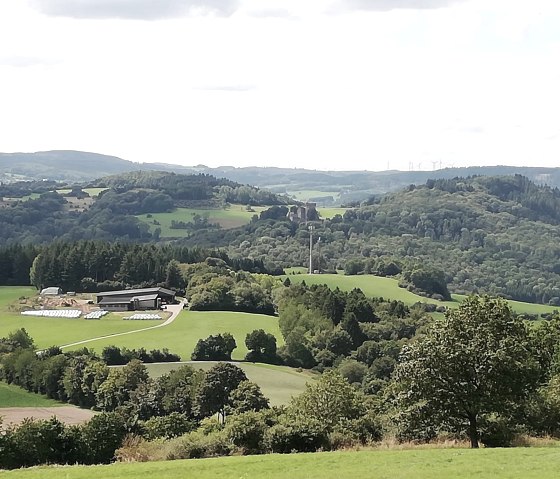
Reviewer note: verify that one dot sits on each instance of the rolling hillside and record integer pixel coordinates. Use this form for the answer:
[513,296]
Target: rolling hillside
[342,186]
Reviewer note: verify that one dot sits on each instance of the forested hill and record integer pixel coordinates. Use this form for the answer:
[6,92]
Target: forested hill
[39,212]
[60,166]
[324,186]
[498,235]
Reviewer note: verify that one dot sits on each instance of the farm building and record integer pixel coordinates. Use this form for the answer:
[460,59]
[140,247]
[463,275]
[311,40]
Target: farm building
[52,291]
[135,299]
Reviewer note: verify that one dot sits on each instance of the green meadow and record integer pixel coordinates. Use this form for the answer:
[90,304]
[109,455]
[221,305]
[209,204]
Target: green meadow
[9,294]
[90,191]
[278,383]
[388,288]
[232,217]
[59,331]
[181,335]
[14,396]
[526,463]
[328,213]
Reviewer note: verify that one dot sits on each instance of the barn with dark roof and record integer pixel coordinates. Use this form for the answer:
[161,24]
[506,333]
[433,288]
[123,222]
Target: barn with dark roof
[135,299]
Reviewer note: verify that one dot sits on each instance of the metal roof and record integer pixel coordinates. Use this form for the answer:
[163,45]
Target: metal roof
[138,292]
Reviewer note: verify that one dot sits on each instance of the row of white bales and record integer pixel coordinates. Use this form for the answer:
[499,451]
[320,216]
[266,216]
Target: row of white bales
[76,313]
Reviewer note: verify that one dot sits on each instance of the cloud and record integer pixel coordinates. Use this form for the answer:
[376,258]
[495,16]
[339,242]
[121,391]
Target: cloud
[237,88]
[24,61]
[134,9]
[387,5]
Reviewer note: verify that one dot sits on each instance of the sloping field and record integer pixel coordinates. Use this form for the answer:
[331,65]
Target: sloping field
[372,286]
[523,463]
[278,383]
[181,336]
[66,414]
[388,288]
[233,217]
[14,396]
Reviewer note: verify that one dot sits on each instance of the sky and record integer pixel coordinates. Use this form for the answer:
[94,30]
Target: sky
[318,84]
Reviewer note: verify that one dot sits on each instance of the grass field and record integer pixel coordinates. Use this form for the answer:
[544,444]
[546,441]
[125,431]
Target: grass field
[14,396]
[9,294]
[328,213]
[233,217]
[59,331]
[530,463]
[376,286]
[90,191]
[305,195]
[278,383]
[181,336]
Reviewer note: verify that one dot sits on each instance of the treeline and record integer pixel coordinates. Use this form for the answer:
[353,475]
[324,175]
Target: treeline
[15,264]
[360,337]
[213,285]
[95,265]
[115,356]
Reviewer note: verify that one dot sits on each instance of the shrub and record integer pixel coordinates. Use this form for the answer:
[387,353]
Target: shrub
[247,430]
[301,436]
[173,425]
[195,445]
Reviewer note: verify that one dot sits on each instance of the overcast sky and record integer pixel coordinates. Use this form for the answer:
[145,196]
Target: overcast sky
[322,84]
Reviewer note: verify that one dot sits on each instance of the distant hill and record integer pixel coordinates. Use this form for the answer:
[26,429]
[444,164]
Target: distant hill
[325,187]
[63,165]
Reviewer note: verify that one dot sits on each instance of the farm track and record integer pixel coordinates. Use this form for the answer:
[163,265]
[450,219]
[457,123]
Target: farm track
[174,308]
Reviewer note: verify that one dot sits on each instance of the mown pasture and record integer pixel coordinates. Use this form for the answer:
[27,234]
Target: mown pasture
[388,288]
[181,335]
[14,396]
[232,217]
[278,383]
[527,463]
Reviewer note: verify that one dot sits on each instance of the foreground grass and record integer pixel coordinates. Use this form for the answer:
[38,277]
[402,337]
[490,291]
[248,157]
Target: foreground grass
[530,463]
[181,336]
[278,383]
[14,396]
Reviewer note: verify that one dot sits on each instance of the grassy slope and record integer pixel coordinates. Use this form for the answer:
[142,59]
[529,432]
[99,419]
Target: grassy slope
[233,217]
[14,396]
[533,463]
[388,288]
[182,335]
[278,383]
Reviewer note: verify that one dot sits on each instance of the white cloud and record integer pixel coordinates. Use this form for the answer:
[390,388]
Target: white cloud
[317,90]
[133,9]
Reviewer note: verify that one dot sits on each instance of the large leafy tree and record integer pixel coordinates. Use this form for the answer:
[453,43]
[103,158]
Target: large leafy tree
[214,394]
[475,363]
